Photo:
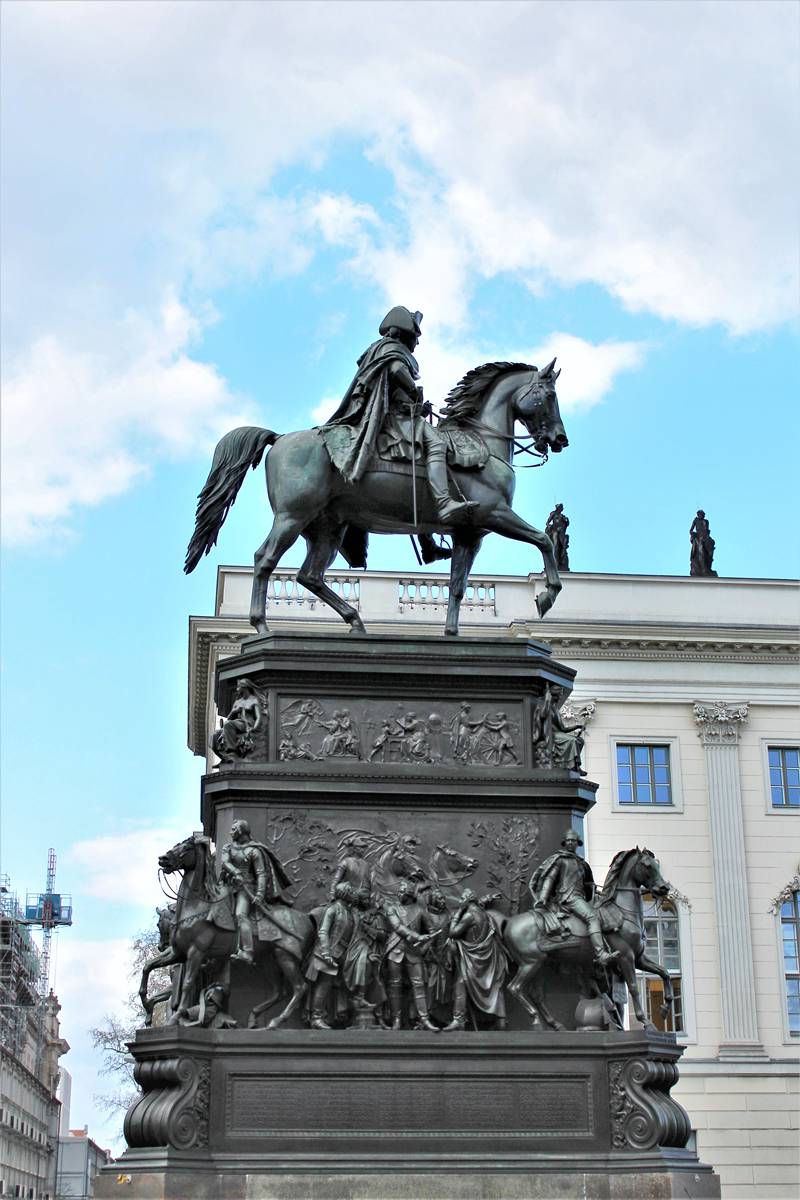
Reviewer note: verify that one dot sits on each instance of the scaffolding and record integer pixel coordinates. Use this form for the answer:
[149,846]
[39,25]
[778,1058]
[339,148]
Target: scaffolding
[24,966]
[20,969]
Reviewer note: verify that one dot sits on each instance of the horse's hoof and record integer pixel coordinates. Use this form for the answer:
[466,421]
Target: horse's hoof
[273,1024]
[260,626]
[451,633]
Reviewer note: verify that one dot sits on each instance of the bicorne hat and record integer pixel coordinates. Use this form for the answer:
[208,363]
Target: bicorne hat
[404,320]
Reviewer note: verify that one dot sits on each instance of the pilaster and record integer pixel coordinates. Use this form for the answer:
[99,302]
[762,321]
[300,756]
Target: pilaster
[718,728]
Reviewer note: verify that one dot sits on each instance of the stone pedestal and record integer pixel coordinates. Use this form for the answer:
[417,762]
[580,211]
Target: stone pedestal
[425,748]
[257,1114]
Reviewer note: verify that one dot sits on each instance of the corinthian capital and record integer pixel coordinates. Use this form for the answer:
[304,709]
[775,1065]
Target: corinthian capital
[580,711]
[718,723]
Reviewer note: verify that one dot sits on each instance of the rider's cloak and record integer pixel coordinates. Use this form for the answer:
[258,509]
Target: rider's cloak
[365,407]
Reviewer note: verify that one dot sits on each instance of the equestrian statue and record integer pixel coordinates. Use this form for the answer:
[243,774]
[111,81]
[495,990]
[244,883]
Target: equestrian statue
[380,465]
[600,936]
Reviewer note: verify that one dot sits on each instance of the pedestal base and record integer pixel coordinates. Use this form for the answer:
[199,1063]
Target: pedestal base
[252,1114]
[692,1183]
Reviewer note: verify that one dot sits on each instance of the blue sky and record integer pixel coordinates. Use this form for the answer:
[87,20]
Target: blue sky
[209,207]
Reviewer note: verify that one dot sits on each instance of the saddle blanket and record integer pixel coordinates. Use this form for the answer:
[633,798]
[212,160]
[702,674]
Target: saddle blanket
[465,450]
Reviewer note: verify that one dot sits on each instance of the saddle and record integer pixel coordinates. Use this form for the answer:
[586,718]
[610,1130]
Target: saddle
[560,931]
[465,449]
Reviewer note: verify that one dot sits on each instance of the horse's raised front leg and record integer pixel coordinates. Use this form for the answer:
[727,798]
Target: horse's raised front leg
[284,533]
[466,545]
[505,521]
[323,539]
[655,968]
[166,958]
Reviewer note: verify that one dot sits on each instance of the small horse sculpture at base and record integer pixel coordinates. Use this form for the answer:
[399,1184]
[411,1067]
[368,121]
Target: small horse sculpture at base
[622,920]
[193,937]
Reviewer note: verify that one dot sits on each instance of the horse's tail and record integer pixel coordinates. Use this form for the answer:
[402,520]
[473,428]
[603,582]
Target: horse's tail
[235,453]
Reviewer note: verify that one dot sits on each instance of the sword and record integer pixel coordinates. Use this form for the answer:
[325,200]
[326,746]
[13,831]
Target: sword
[414,460]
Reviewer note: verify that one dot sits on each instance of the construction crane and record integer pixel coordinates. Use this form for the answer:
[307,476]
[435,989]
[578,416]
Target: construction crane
[48,909]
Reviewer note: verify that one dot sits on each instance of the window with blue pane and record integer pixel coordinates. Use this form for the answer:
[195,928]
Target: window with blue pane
[790,933]
[643,775]
[784,776]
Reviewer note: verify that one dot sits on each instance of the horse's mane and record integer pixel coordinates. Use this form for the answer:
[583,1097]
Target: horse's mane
[614,872]
[465,398]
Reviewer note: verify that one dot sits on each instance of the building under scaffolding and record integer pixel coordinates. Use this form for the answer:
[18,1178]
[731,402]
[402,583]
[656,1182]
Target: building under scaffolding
[30,1043]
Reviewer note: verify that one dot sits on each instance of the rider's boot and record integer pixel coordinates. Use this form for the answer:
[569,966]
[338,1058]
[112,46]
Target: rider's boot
[395,1004]
[245,952]
[602,954]
[448,510]
[431,552]
[421,1001]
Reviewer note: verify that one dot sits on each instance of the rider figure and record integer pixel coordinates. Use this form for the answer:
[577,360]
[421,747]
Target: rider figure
[254,876]
[564,882]
[383,404]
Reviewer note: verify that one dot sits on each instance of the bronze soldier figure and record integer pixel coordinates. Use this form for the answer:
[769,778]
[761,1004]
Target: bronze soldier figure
[406,919]
[253,875]
[334,937]
[564,882]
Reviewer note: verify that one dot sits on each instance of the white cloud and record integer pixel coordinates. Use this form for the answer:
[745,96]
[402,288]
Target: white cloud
[588,369]
[122,868]
[648,150]
[80,426]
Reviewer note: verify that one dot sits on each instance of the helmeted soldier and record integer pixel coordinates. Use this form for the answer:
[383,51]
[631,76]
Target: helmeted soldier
[564,882]
[384,404]
[254,876]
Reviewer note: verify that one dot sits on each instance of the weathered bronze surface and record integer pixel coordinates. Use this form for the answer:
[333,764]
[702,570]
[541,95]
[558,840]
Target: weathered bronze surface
[393,472]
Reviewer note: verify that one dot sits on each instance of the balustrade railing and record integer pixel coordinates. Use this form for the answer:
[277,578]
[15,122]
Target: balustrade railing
[423,592]
[283,591]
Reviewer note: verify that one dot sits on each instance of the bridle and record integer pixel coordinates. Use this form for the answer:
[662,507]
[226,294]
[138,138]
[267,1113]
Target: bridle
[518,446]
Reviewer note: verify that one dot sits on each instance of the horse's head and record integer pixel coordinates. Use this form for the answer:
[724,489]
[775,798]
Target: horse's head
[456,861]
[536,407]
[647,873]
[182,857]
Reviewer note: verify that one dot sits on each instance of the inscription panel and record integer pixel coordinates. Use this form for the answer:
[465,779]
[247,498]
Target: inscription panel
[275,1105]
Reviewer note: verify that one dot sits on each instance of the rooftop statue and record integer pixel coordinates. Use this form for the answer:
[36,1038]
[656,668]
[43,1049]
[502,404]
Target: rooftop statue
[702,553]
[556,529]
[380,465]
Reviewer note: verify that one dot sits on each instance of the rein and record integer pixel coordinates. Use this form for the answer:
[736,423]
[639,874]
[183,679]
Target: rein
[518,446]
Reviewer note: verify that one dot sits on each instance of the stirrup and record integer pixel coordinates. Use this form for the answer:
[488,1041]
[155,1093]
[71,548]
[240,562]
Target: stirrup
[449,509]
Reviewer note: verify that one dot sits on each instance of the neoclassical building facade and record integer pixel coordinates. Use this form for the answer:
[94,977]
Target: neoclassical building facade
[690,693]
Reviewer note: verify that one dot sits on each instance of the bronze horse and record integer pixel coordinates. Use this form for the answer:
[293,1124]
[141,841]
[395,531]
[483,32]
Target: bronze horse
[194,937]
[310,498]
[622,920]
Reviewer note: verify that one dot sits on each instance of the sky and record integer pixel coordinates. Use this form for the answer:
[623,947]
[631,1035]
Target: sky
[208,208]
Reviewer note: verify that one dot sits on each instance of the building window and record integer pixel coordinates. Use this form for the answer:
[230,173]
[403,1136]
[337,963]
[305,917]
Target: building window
[643,775]
[790,936]
[784,776]
[663,946]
